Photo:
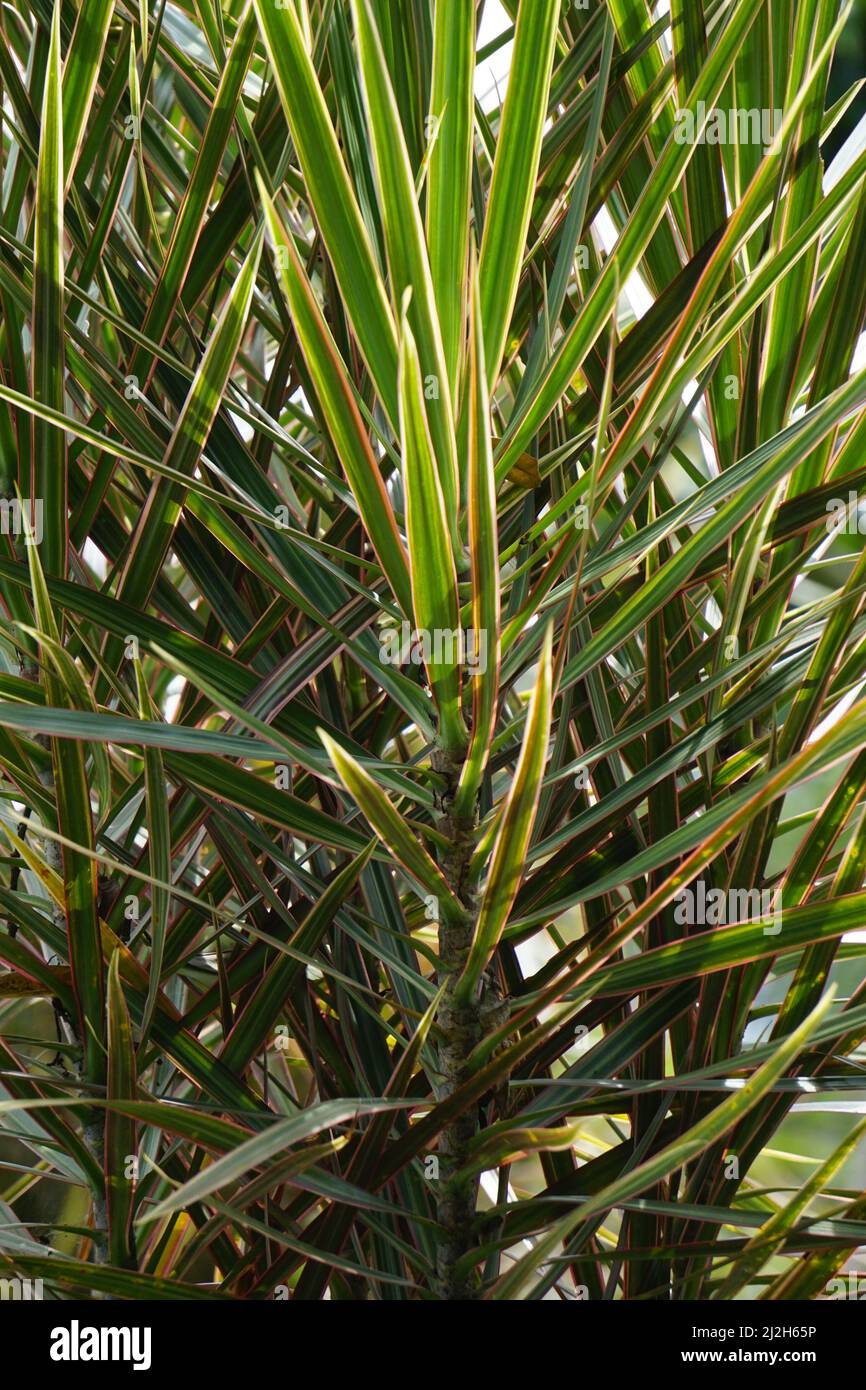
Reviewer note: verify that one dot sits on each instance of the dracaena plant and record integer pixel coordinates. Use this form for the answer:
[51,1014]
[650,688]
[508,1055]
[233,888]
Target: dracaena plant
[431,722]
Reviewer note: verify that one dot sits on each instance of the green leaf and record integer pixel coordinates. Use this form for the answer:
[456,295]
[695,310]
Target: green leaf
[431,560]
[390,826]
[694,1141]
[81,74]
[156,527]
[766,1241]
[407,254]
[484,553]
[120,1145]
[84,1278]
[75,823]
[332,196]
[645,217]
[515,827]
[256,1021]
[449,171]
[341,412]
[257,1150]
[49,482]
[159,853]
[514,172]
[186,225]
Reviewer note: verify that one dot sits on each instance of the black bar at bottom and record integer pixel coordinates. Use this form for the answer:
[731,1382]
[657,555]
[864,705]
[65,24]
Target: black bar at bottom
[188,1339]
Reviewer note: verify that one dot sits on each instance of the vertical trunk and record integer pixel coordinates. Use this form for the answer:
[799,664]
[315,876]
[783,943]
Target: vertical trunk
[460,1030]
